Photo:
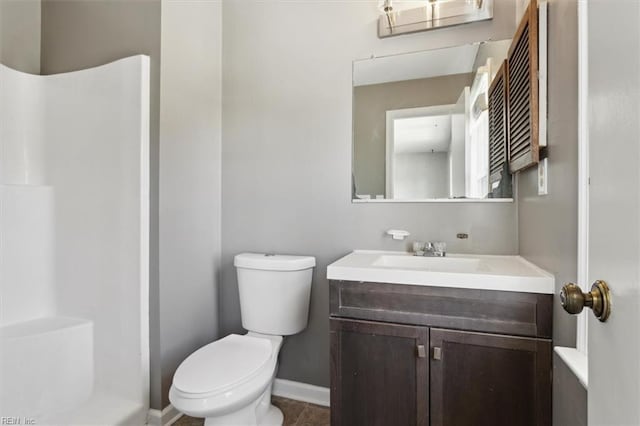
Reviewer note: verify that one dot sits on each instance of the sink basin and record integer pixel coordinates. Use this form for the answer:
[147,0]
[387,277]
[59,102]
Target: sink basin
[504,273]
[438,264]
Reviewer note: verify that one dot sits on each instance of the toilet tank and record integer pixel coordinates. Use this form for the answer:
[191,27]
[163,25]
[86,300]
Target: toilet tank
[274,292]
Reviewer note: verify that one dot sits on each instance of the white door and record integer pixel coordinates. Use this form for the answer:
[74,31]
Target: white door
[614,208]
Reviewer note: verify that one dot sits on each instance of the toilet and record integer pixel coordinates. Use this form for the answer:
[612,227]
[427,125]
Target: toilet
[228,382]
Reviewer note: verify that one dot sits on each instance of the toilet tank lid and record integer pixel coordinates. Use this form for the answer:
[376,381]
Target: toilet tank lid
[273,262]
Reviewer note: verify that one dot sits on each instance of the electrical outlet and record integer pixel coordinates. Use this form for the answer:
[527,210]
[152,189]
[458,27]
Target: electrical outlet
[543,177]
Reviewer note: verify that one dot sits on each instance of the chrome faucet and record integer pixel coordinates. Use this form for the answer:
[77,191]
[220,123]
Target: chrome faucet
[430,249]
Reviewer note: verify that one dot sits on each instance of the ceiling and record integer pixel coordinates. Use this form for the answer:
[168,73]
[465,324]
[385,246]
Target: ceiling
[411,66]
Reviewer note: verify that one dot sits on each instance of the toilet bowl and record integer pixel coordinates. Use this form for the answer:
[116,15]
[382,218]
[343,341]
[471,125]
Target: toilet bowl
[228,382]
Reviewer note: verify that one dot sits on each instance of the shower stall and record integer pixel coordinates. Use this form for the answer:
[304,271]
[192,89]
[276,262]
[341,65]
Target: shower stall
[74,245]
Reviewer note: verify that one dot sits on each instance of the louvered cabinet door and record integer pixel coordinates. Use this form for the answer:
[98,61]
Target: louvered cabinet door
[498,136]
[522,93]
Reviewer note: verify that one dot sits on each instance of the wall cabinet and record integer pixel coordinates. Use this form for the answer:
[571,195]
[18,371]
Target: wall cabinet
[409,370]
[515,99]
[522,93]
[498,129]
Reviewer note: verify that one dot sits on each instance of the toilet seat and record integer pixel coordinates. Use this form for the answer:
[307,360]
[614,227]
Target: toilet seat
[222,365]
[226,376]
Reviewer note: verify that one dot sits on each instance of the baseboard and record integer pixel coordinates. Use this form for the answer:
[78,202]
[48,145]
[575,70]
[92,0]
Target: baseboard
[301,392]
[168,416]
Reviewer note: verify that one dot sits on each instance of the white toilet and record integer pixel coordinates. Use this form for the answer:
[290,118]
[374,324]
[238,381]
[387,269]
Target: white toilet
[228,382]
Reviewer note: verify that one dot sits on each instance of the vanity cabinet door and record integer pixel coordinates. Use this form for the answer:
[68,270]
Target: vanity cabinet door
[482,379]
[379,374]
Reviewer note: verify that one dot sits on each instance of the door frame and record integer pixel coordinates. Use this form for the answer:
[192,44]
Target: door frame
[576,357]
[393,115]
[583,171]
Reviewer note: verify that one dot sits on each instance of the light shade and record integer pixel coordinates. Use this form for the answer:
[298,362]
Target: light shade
[429,15]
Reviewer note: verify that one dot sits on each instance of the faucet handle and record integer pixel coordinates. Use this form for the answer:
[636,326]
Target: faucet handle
[439,248]
[418,246]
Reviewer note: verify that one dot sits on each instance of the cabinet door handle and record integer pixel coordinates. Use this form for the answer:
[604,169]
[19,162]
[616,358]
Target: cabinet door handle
[421,352]
[437,353]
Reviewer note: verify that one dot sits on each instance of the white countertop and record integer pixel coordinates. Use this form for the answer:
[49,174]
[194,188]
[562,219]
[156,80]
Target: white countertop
[480,272]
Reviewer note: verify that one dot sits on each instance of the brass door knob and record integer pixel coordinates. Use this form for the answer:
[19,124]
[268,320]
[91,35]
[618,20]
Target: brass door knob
[573,300]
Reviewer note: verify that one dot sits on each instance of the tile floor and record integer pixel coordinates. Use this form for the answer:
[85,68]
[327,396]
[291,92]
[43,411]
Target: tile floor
[296,413]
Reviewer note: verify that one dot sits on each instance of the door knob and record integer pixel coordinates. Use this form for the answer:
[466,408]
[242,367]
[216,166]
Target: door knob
[573,300]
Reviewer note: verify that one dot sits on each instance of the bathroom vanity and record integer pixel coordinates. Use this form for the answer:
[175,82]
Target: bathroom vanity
[460,340]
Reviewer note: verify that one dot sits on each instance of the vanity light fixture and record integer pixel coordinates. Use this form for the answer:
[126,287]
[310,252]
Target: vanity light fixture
[431,15]
[387,6]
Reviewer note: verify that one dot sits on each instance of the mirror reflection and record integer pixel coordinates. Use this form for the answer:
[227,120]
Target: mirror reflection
[421,125]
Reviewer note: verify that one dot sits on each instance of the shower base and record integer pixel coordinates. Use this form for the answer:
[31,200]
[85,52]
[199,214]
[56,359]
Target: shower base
[46,366]
[101,409]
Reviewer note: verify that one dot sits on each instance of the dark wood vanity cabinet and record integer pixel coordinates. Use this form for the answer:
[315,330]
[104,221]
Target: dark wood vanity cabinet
[487,379]
[399,366]
[379,378]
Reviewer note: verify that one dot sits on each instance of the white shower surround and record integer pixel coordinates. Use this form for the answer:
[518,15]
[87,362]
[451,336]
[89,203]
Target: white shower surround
[74,244]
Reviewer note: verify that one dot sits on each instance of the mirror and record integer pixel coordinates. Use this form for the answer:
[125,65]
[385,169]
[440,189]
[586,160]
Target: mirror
[421,125]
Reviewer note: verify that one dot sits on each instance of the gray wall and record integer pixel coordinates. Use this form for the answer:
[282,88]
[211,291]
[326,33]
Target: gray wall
[20,35]
[286,153]
[569,396]
[190,119]
[548,224]
[420,175]
[185,150]
[370,106]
